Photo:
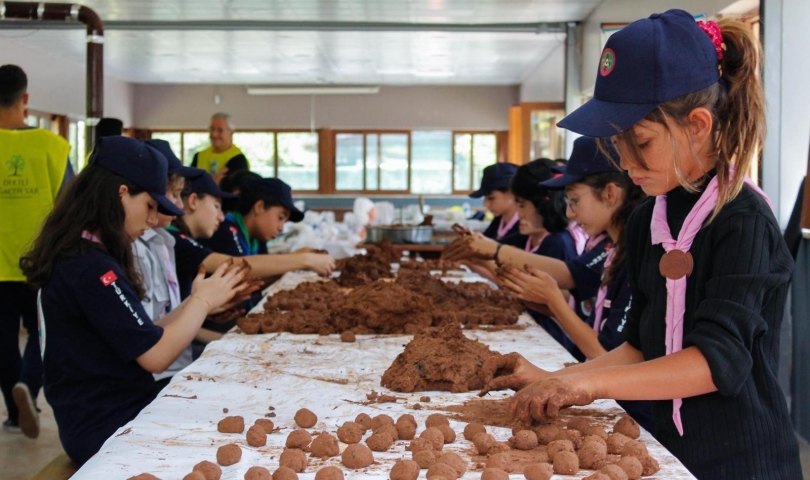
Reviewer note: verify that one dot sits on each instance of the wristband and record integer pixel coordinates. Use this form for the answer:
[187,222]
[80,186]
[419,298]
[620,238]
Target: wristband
[201,299]
[497,251]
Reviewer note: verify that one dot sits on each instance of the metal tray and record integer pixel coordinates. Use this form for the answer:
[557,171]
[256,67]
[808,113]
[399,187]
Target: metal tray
[400,234]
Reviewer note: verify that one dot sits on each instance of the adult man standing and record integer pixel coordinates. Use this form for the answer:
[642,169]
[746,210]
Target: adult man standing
[33,168]
[222,157]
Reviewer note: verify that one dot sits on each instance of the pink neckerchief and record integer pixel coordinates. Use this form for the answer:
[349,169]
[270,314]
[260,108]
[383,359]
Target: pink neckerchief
[91,236]
[589,244]
[602,295]
[676,289]
[504,229]
[531,249]
[579,235]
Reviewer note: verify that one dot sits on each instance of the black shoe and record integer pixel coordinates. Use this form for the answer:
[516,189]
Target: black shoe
[28,418]
[11,427]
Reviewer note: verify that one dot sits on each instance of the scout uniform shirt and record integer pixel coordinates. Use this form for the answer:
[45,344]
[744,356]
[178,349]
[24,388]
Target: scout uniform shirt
[212,163]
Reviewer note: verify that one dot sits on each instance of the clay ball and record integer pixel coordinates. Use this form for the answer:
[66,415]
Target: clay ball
[380,442]
[574,436]
[357,456]
[524,440]
[424,458]
[144,476]
[391,430]
[592,455]
[407,418]
[616,442]
[304,418]
[634,448]
[566,463]
[631,466]
[499,447]
[348,337]
[405,429]
[258,473]
[419,444]
[299,439]
[364,420]
[294,459]
[435,436]
[494,474]
[558,446]
[579,423]
[285,473]
[649,465]
[210,470]
[594,438]
[194,476]
[596,431]
[614,472]
[266,424]
[325,446]
[329,473]
[597,476]
[229,454]
[381,420]
[538,471]
[234,424]
[454,460]
[256,436]
[483,443]
[436,419]
[442,470]
[472,429]
[448,433]
[501,460]
[350,432]
[546,433]
[628,427]
[404,470]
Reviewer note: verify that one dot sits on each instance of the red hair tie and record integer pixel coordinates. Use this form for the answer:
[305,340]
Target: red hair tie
[713,31]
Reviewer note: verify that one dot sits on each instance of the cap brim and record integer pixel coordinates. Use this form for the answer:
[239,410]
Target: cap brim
[597,118]
[186,172]
[558,183]
[167,207]
[479,193]
[558,169]
[295,214]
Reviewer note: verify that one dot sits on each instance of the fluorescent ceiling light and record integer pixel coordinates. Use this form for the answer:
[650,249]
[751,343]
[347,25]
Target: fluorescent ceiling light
[336,90]
[436,74]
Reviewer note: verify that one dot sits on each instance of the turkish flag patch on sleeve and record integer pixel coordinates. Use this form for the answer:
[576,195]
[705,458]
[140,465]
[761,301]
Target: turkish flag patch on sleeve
[108,278]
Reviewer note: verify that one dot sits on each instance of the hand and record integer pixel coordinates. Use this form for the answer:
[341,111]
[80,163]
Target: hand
[321,264]
[225,316]
[221,286]
[532,285]
[245,289]
[461,230]
[541,401]
[475,246]
[510,371]
[220,174]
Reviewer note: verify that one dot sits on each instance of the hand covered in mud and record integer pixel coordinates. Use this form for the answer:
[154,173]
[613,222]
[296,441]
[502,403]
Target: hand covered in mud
[531,285]
[473,246]
[541,401]
[510,371]
[225,316]
[461,230]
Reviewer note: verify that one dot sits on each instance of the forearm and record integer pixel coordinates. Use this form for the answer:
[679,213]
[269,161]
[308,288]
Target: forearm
[582,334]
[206,336]
[680,375]
[623,355]
[509,255]
[485,268]
[273,265]
[177,335]
[170,317]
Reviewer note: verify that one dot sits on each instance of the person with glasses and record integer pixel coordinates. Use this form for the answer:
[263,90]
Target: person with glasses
[222,157]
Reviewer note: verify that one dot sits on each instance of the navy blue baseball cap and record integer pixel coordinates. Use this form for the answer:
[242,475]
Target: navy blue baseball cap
[201,182]
[140,164]
[643,65]
[496,176]
[175,165]
[278,189]
[586,159]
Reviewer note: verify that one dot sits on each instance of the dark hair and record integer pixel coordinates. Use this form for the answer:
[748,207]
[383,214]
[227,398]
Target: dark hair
[737,105]
[633,196]
[13,85]
[250,194]
[549,204]
[109,127]
[90,203]
[234,180]
[178,221]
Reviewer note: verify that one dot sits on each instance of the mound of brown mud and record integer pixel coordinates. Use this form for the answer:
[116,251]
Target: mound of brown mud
[439,358]
[321,296]
[382,307]
[364,269]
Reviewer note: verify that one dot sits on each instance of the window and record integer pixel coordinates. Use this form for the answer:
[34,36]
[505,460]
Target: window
[372,161]
[290,156]
[76,135]
[472,152]
[432,162]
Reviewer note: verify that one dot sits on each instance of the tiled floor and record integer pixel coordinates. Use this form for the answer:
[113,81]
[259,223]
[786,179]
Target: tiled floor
[21,458]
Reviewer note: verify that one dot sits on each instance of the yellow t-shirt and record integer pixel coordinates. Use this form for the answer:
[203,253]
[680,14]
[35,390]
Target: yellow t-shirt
[214,162]
[32,167]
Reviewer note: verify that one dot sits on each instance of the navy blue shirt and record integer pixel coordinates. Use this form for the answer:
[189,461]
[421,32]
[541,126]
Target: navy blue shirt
[94,328]
[513,237]
[189,255]
[228,240]
[562,247]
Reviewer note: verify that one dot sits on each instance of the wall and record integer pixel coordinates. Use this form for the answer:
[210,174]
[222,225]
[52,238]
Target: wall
[63,93]
[546,82]
[190,106]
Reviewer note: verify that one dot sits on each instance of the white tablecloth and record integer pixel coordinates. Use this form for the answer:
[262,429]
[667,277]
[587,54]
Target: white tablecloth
[247,374]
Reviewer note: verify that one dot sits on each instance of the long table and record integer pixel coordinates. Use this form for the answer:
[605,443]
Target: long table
[249,374]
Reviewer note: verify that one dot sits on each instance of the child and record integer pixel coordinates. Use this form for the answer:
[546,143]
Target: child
[500,201]
[708,267]
[100,348]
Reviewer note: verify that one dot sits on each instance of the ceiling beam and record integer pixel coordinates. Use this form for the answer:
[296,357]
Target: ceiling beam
[271,25]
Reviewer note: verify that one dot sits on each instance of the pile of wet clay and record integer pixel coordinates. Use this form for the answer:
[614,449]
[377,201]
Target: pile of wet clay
[382,307]
[437,265]
[322,296]
[439,359]
[364,269]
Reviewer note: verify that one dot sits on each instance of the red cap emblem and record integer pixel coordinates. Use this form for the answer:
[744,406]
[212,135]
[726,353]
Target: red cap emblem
[108,278]
[607,62]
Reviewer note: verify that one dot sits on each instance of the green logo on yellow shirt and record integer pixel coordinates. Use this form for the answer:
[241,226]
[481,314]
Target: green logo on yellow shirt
[15,165]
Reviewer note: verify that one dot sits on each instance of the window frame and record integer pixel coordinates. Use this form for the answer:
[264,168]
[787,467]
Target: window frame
[365,133]
[472,133]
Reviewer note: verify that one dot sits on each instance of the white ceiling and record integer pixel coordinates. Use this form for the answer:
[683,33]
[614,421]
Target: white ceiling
[318,57]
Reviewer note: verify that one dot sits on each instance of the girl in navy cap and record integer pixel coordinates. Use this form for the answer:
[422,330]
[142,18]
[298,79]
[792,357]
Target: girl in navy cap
[100,346]
[708,267]
[501,202]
